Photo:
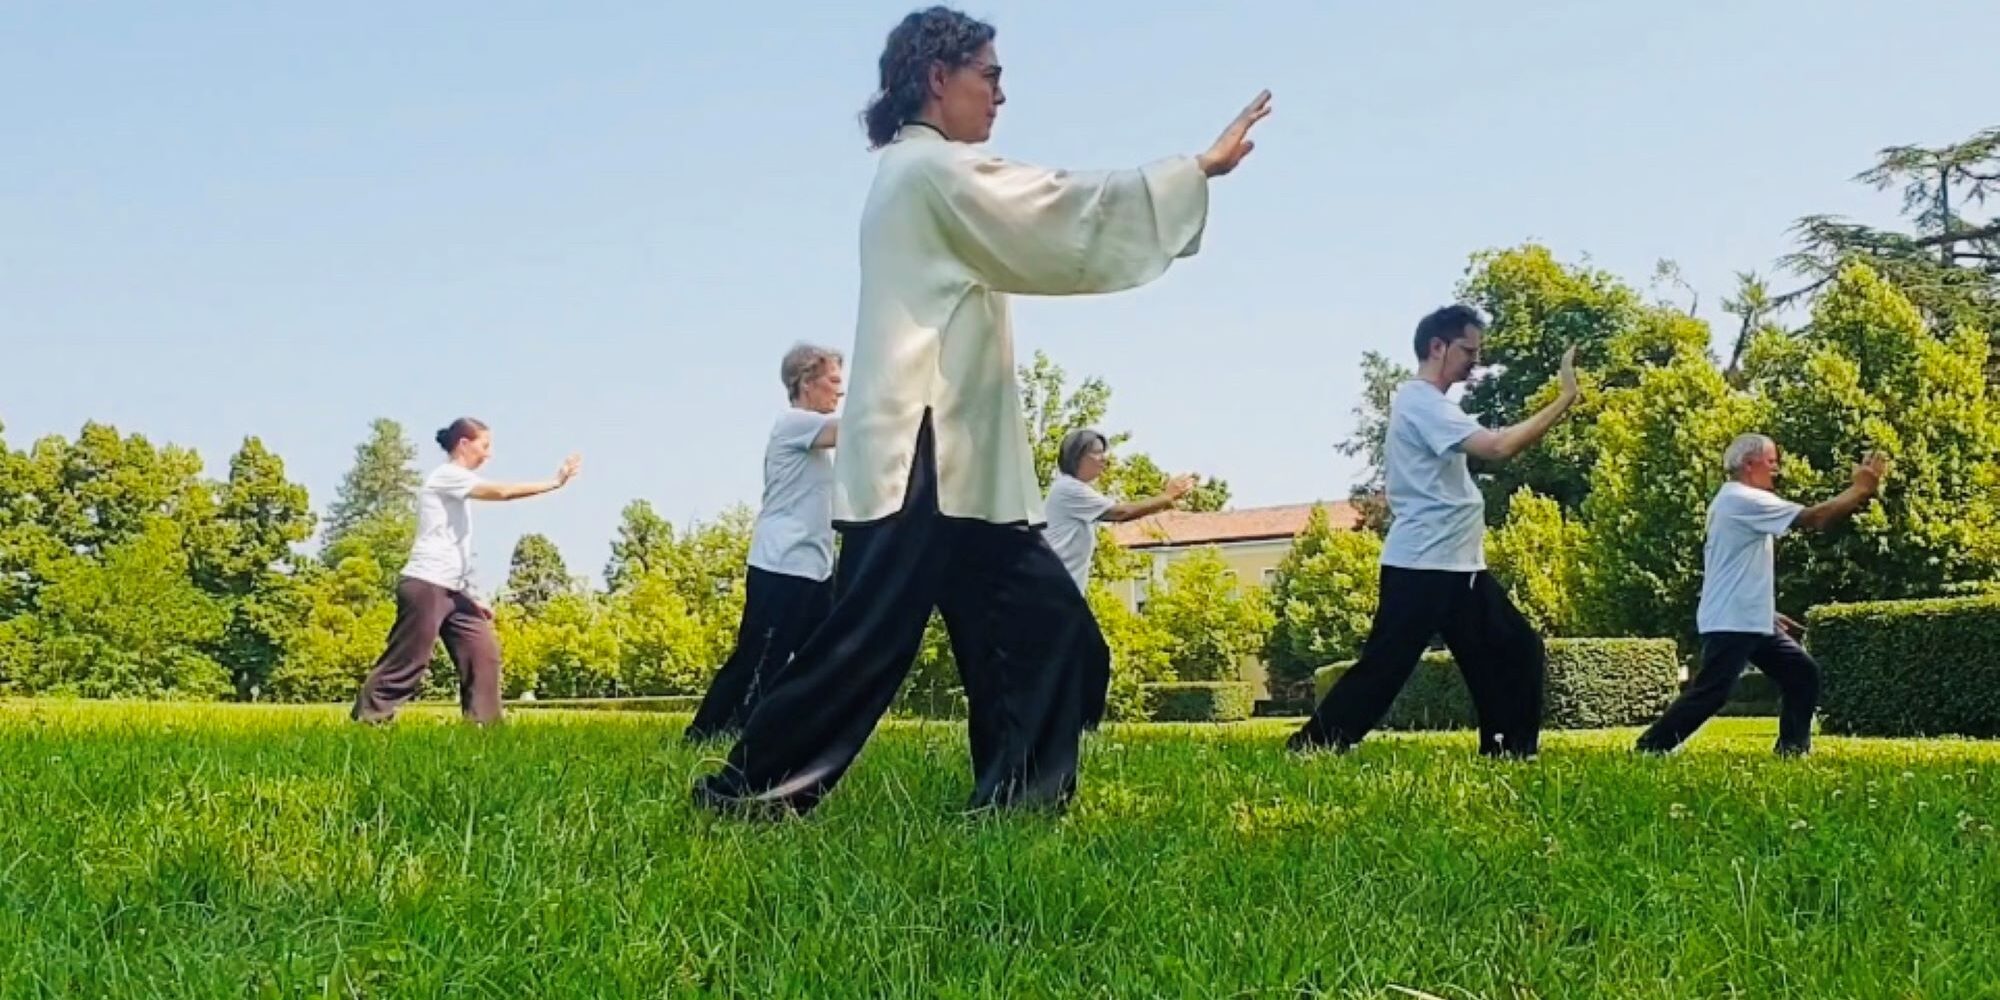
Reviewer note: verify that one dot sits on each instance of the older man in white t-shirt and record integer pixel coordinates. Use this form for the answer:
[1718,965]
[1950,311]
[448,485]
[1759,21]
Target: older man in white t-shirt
[1434,579]
[1738,615]
[788,586]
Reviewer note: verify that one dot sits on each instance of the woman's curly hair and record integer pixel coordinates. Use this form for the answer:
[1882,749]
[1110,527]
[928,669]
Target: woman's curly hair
[932,35]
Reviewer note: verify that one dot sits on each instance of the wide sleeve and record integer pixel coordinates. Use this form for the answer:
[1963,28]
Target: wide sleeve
[1031,230]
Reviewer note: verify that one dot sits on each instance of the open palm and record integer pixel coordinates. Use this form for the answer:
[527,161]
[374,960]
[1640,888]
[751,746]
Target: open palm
[1234,143]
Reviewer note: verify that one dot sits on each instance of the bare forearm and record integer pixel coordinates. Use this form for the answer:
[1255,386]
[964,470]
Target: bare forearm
[1835,510]
[1512,440]
[1136,509]
[516,491]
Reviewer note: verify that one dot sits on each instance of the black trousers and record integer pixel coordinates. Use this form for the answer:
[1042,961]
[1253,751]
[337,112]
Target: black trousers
[779,611]
[425,613]
[1723,657]
[1498,653]
[1026,645]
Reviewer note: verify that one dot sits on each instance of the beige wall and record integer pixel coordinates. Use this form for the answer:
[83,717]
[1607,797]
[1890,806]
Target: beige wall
[1252,562]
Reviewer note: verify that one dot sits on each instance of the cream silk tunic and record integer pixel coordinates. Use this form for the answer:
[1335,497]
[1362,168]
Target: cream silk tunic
[947,234]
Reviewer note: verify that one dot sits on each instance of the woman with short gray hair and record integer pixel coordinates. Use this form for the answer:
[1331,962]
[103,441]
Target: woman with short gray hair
[1074,507]
[789,589]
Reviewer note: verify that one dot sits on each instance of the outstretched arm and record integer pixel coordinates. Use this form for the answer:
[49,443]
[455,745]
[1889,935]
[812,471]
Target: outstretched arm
[1866,483]
[1135,509]
[518,491]
[1037,231]
[1505,443]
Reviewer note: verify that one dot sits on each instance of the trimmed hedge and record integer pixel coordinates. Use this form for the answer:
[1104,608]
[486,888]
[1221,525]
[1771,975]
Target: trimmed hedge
[1201,701]
[1755,695]
[1909,668]
[1592,684]
[651,703]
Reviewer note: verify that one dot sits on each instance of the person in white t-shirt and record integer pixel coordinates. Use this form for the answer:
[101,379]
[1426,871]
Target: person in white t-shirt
[1074,507]
[1434,579]
[435,597]
[789,589]
[1738,617]
[1071,515]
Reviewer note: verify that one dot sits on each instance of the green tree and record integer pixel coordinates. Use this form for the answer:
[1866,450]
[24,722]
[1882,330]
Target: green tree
[1380,377]
[644,543]
[1210,621]
[1538,308]
[129,623]
[28,548]
[1659,461]
[1948,263]
[243,556]
[1322,599]
[1870,373]
[1051,410]
[705,566]
[536,573]
[375,510]
[663,645]
[105,488]
[1537,554]
[342,617]
[571,649]
[1139,653]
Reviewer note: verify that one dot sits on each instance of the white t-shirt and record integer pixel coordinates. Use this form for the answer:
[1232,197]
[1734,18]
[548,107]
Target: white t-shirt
[1072,511]
[442,553]
[1739,582]
[794,532]
[1439,516]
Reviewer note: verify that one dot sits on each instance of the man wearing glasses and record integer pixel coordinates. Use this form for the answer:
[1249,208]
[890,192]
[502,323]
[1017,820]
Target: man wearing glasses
[1434,579]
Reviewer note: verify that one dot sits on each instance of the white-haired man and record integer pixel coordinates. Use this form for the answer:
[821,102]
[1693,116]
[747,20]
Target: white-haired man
[1738,616]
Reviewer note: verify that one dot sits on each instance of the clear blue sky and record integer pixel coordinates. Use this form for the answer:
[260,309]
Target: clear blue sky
[597,225]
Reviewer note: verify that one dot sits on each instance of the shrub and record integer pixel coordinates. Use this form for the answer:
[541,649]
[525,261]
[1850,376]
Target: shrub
[1909,668]
[1201,701]
[1592,684]
[654,703]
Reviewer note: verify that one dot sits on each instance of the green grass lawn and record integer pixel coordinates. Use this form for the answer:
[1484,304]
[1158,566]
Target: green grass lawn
[151,850]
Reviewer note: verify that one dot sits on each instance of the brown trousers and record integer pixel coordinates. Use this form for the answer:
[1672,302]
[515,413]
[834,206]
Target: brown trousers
[425,613]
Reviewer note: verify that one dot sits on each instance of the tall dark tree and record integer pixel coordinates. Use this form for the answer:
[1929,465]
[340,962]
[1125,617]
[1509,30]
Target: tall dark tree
[645,543]
[242,555]
[536,575]
[1379,379]
[375,510]
[1948,262]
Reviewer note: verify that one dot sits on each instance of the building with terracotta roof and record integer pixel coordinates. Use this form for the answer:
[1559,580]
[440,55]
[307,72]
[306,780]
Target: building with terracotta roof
[1252,542]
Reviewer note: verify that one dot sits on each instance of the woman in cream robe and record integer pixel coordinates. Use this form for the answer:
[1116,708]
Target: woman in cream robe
[935,490]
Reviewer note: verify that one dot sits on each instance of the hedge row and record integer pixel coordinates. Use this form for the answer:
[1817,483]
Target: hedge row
[1200,701]
[1909,668]
[651,703]
[1592,684]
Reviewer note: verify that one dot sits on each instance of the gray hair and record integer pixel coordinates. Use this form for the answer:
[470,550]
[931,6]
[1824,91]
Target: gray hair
[1074,444]
[802,364]
[1742,450]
